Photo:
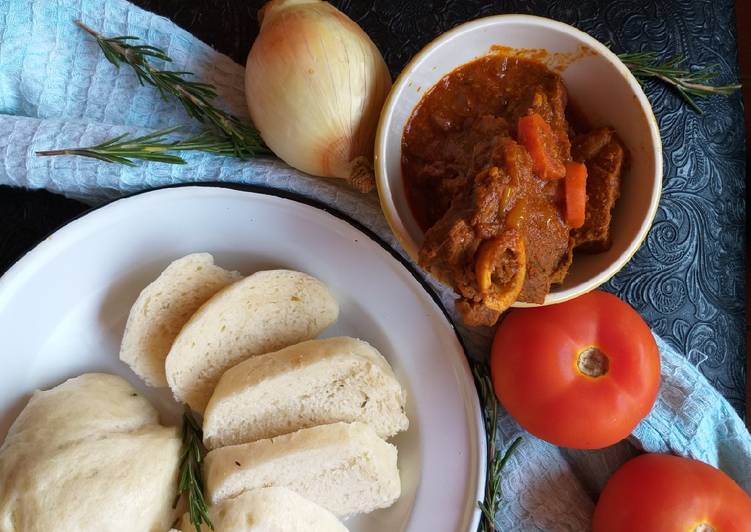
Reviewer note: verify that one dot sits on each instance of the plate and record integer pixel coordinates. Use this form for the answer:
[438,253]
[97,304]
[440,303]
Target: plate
[63,308]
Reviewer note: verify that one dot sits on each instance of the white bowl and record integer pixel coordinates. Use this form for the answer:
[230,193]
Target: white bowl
[598,81]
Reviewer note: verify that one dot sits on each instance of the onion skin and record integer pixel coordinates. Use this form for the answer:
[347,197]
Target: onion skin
[315,84]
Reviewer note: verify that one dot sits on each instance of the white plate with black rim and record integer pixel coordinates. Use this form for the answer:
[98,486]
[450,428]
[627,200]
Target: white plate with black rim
[63,308]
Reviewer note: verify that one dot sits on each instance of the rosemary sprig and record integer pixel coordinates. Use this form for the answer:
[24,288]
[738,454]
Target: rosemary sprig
[191,481]
[196,97]
[496,459]
[152,147]
[687,82]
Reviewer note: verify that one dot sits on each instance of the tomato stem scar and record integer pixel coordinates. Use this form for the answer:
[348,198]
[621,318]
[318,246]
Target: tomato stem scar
[594,363]
[704,527]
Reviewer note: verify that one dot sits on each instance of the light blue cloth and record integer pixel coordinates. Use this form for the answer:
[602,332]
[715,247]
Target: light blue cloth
[57,91]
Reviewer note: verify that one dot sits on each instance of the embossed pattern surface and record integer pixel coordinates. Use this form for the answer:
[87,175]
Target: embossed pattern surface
[688,278]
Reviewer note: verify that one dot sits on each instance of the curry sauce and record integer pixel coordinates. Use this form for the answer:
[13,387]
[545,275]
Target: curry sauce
[485,157]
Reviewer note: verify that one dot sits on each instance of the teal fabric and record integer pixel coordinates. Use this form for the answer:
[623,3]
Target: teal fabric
[57,91]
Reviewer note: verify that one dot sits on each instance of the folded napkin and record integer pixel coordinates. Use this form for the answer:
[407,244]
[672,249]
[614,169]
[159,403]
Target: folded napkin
[57,91]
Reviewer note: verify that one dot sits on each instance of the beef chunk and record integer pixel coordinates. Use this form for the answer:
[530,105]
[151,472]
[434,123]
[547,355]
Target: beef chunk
[548,99]
[602,152]
[476,314]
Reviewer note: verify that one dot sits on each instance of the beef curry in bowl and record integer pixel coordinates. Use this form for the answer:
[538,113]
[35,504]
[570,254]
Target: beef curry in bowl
[511,176]
[503,183]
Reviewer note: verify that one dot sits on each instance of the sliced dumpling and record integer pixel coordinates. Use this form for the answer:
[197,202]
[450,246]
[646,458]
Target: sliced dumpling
[163,307]
[311,383]
[344,467]
[269,510]
[264,312]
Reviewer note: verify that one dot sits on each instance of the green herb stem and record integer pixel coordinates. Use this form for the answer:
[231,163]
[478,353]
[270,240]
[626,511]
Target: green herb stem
[496,460]
[152,147]
[688,83]
[190,483]
[195,97]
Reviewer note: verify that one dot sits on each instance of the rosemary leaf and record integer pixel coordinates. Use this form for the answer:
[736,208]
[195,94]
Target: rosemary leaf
[195,97]
[496,460]
[151,147]
[190,484]
[689,83]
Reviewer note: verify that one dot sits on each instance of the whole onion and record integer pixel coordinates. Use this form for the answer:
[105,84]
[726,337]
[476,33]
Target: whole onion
[315,84]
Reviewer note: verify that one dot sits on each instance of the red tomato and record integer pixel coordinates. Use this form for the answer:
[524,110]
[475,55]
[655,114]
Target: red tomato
[578,374]
[664,493]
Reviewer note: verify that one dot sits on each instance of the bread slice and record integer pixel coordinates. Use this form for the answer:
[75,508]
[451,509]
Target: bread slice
[269,510]
[307,384]
[344,467]
[163,307]
[264,312]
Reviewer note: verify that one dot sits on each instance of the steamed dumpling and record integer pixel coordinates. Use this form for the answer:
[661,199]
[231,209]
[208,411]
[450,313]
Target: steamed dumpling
[271,509]
[163,307]
[88,455]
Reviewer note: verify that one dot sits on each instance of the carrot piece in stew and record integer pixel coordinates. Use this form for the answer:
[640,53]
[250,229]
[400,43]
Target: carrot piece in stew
[576,194]
[537,137]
